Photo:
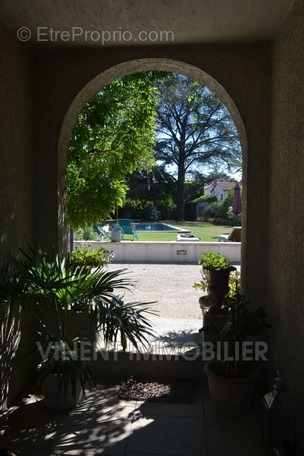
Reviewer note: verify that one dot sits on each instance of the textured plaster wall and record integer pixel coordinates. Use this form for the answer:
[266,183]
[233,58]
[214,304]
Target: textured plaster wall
[16,122]
[16,188]
[66,80]
[286,209]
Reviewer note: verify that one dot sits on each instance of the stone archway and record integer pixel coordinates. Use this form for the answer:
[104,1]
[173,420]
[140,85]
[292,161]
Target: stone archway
[131,67]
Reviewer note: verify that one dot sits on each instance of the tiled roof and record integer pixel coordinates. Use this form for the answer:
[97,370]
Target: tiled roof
[225,186]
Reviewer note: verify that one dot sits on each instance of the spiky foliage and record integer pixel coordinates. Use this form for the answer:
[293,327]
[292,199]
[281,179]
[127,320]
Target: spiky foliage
[60,294]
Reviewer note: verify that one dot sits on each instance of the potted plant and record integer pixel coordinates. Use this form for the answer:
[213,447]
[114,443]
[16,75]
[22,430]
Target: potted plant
[232,373]
[216,269]
[70,303]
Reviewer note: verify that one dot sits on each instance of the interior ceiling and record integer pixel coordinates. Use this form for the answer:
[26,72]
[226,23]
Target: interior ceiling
[119,22]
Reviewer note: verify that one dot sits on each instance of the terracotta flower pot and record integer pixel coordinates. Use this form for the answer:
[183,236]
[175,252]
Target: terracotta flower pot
[230,396]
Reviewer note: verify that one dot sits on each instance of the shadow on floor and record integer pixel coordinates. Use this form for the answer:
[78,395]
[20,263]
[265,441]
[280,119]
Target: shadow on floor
[103,424]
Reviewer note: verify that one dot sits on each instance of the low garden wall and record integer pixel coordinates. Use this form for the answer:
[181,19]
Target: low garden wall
[165,252]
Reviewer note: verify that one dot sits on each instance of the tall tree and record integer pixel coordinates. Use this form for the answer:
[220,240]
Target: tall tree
[194,128]
[114,135]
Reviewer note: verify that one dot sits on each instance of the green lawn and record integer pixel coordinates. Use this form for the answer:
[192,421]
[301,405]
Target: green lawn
[205,231]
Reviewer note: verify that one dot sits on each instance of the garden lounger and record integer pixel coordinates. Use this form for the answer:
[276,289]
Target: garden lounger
[234,236]
[128,227]
[101,231]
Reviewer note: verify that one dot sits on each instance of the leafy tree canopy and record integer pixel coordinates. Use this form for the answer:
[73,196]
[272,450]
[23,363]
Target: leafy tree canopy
[186,125]
[194,129]
[114,135]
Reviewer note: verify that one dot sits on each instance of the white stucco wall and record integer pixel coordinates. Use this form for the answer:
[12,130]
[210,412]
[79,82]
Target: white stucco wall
[166,252]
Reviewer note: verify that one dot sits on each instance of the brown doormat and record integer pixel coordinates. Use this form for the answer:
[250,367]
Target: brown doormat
[158,391]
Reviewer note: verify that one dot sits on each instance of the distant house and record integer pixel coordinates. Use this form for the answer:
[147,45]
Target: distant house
[219,189]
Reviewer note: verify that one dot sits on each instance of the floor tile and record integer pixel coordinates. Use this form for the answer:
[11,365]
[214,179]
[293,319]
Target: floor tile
[170,436]
[238,435]
[101,422]
[108,437]
[105,425]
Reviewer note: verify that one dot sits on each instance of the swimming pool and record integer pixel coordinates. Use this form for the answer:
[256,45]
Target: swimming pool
[158,226]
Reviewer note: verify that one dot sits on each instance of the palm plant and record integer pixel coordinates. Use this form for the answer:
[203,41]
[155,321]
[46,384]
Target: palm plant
[58,293]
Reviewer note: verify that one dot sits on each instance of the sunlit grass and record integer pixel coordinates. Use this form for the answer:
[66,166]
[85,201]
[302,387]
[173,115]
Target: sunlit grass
[205,231]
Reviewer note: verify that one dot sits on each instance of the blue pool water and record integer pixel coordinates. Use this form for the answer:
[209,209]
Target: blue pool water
[157,226]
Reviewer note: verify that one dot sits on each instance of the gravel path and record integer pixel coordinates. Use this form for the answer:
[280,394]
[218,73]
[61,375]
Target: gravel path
[170,285]
[179,316]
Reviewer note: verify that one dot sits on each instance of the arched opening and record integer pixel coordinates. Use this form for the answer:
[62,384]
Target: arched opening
[158,65]
[136,66]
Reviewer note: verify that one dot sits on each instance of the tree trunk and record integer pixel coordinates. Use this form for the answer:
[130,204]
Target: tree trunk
[181,193]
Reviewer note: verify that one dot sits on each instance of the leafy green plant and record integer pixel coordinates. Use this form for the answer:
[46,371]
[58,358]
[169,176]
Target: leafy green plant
[218,299]
[205,199]
[113,317]
[59,294]
[214,260]
[234,284]
[86,233]
[85,256]
[114,135]
[243,324]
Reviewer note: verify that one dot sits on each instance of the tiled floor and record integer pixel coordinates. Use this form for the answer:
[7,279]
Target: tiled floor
[106,425]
